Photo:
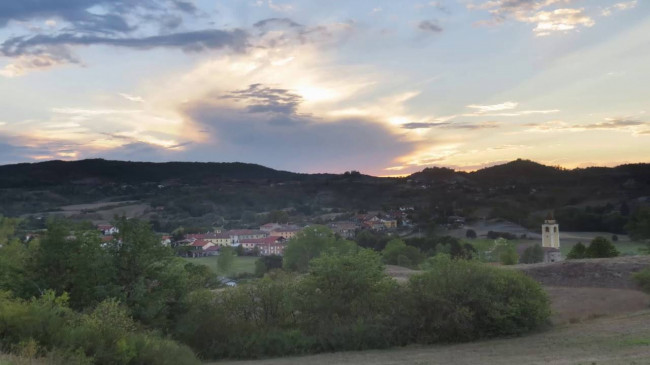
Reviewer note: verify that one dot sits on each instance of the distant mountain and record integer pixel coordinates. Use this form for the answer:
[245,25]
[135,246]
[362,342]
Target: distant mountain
[99,171]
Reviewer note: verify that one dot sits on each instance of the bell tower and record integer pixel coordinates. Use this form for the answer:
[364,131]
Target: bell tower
[550,232]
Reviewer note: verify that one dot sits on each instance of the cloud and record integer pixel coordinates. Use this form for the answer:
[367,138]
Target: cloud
[309,145]
[49,57]
[619,7]
[109,16]
[264,23]
[188,41]
[118,23]
[614,124]
[429,26]
[494,108]
[263,99]
[445,125]
[560,20]
[505,109]
[133,98]
[546,14]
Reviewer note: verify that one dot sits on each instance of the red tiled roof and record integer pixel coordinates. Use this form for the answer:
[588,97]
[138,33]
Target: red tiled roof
[199,243]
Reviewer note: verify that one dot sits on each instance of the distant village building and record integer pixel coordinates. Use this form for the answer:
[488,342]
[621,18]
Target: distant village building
[551,240]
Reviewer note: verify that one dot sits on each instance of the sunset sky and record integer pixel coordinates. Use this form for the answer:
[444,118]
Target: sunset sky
[386,87]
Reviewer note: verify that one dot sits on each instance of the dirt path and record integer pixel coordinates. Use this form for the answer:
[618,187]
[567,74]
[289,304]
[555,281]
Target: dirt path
[615,340]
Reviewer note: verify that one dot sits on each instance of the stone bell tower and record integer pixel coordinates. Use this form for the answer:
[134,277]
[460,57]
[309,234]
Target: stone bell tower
[550,232]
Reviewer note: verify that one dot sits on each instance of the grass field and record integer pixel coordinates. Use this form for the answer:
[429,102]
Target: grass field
[242,264]
[623,339]
[624,245]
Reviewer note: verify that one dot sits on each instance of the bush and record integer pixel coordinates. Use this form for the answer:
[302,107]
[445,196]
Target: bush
[533,254]
[107,335]
[642,279]
[464,300]
[399,253]
[471,234]
[578,251]
[601,247]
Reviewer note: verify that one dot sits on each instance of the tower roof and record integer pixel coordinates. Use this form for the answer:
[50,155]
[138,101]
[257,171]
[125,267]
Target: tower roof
[549,216]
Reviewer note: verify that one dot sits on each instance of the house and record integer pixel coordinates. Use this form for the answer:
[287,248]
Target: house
[344,229]
[237,235]
[219,239]
[212,251]
[199,248]
[266,246]
[166,240]
[107,229]
[286,232]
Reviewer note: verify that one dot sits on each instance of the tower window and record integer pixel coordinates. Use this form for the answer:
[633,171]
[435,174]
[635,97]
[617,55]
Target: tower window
[554,229]
[546,229]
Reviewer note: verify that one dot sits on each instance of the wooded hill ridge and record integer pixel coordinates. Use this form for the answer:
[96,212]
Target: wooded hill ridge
[98,171]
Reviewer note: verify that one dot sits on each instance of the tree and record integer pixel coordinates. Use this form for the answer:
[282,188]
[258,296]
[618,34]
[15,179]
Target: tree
[601,247]
[639,225]
[267,263]
[343,290]
[533,254]
[578,251]
[310,243]
[277,216]
[399,253]
[507,252]
[471,234]
[225,260]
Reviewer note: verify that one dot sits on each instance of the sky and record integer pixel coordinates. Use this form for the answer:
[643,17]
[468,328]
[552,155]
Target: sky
[384,87]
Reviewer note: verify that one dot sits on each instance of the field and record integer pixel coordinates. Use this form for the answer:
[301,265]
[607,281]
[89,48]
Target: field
[242,264]
[624,245]
[623,339]
[598,322]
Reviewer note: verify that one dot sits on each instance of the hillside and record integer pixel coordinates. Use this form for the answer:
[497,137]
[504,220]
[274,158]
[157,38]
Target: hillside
[99,171]
[207,194]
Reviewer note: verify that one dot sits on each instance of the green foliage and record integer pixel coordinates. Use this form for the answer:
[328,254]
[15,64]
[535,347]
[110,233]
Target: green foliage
[105,335]
[277,216]
[601,247]
[71,259]
[533,254]
[642,279]
[578,251]
[507,252]
[225,260]
[310,243]
[341,290]
[399,253]
[470,233]
[639,225]
[465,300]
[267,263]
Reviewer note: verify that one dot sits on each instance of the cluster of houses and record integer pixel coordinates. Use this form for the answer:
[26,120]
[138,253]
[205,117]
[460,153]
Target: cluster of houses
[269,239]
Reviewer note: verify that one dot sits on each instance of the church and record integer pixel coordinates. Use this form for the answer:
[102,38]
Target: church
[551,239]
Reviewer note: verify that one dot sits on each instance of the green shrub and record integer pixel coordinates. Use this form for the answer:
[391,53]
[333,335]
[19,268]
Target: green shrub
[601,247]
[45,326]
[578,251]
[642,278]
[463,300]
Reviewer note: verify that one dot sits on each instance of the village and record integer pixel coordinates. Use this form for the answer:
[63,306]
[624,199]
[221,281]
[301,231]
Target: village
[270,238]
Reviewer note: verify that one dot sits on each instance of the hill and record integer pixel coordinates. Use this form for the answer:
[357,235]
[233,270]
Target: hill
[99,171]
[208,194]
